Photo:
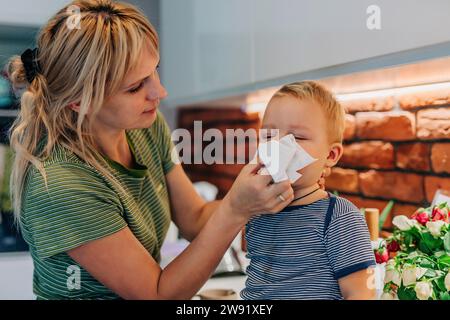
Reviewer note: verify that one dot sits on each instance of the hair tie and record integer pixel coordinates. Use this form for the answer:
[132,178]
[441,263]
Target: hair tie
[29,60]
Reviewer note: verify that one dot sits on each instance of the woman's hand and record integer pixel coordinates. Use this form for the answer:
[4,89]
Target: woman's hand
[253,194]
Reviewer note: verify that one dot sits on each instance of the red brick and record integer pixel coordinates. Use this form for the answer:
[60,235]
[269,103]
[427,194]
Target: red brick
[187,116]
[440,157]
[389,126]
[423,99]
[361,202]
[404,209]
[432,184]
[371,154]
[371,104]
[345,180]
[398,209]
[392,185]
[413,156]
[231,170]
[433,124]
[350,127]
[228,170]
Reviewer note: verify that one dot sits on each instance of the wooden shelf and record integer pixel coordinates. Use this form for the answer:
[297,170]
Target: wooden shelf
[8,113]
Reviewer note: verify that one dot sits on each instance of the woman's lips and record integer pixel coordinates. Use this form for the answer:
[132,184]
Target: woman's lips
[150,111]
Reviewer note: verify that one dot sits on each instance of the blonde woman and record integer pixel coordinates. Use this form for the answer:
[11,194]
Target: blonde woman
[93,185]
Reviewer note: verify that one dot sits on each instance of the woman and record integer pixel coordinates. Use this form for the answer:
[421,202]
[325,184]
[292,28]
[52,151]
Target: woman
[93,185]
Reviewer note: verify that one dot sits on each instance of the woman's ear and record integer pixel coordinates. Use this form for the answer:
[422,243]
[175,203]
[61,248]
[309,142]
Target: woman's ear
[75,106]
[335,153]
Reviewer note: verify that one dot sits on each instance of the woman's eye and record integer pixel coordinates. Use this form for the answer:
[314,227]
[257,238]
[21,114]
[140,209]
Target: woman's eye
[134,90]
[299,138]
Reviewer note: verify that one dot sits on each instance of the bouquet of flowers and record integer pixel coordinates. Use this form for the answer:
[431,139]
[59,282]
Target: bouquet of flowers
[419,252]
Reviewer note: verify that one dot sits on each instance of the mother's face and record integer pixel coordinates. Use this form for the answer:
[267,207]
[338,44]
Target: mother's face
[134,105]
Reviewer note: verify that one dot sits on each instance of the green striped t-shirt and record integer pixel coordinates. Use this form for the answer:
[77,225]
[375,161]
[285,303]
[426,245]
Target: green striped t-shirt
[81,205]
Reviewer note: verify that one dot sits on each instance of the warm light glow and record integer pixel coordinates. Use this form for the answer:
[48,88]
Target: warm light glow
[393,91]
[260,107]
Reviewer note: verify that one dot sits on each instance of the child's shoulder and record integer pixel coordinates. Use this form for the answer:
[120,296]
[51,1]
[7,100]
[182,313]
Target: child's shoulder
[344,207]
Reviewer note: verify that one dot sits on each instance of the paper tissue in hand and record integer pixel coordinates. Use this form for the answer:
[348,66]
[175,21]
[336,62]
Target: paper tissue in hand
[283,158]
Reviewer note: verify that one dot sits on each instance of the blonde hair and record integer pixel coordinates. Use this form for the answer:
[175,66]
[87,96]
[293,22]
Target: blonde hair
[83,65]
[333,110]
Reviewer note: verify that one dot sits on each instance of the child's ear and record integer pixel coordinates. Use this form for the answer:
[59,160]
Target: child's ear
[335,153]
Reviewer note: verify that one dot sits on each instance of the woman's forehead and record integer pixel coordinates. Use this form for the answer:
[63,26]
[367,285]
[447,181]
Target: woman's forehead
[144,66]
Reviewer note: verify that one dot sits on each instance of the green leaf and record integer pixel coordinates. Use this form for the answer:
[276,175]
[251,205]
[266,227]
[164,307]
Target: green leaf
[447,242]
[438,254]
[442,205]
[423,246]
[430,273]
[426,264]
[431,242]
[440,282]
[444,296]
[444,261]
[385,213]
[406,293]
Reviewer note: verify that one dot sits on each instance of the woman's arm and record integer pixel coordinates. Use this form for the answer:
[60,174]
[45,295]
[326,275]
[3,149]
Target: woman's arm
[122,264]
[189,211]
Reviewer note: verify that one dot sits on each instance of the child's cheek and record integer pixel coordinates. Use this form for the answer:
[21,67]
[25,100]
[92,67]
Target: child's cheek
[311,174]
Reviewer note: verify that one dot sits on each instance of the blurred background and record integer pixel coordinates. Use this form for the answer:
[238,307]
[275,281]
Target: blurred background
[388,62]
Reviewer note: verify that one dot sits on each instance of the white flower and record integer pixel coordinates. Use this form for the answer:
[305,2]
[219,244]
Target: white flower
[394,276]
[389,296]
[447,281]
[435,227]
[423,290]
[409,275]
[420,272]
[378,244]
[404,223]
[390,264]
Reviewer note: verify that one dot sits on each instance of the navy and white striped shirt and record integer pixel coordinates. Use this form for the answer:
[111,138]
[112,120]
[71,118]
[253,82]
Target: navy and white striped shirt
[301,252]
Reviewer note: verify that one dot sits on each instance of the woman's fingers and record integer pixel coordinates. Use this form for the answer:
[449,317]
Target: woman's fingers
[278,196]
[255,167]
[283,187]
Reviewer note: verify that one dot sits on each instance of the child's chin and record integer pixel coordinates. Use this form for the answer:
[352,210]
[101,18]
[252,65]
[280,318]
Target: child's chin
[303,183]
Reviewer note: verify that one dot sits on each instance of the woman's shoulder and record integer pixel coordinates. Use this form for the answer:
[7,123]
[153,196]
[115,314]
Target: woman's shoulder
[64,168]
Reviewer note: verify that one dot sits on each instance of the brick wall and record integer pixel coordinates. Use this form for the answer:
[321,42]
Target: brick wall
[395,148]
[221,175]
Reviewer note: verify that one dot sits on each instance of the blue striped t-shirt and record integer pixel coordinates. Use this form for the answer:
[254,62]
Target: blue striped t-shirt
[301,252]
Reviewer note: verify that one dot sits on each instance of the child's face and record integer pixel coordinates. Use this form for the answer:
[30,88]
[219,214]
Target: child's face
[306,121]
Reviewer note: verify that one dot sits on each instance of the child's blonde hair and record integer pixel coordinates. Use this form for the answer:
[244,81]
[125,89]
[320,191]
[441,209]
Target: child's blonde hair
[334,111]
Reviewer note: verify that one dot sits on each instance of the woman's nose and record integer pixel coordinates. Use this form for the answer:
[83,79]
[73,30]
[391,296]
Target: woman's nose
[156,90]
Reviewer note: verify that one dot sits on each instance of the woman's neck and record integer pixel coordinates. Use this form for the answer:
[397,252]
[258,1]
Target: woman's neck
[114,145]
[307,195]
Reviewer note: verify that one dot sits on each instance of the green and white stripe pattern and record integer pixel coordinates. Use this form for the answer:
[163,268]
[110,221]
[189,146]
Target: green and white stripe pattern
[81,205]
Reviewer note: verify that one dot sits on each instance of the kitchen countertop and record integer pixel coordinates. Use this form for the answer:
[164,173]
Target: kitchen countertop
[16,278]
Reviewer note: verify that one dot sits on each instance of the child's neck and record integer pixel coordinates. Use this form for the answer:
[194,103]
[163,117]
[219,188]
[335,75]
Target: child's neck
[308,195]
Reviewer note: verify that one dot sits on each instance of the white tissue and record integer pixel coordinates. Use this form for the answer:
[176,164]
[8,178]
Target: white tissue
[283,158]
